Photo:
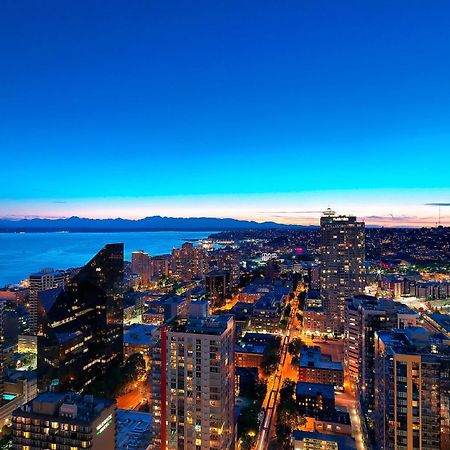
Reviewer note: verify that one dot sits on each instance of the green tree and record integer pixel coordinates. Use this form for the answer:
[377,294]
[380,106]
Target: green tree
[134,367]
[247,442]
[283,434]
[270,360]
[295,347]
[287,310]
[288,417]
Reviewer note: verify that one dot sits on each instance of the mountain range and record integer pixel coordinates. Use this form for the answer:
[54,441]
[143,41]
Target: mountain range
[154,223]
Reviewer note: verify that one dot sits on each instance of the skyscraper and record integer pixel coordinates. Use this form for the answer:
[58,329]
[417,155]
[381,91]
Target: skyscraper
[412,373]
[41,281]
[80,325]
[366,315]
[193,385]
[342,271]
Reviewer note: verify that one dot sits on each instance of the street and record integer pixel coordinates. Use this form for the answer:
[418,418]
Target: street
[134,398]
[275,382]
[285,370]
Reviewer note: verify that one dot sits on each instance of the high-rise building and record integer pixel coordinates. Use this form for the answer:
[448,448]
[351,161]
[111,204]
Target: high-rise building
[81,325]
[59,421]
[342,271]
[141,265]
[217,284]
[228,260]
[412,385]
[41,281]
[161,266]
[192,385]
[189,262]
[366,315]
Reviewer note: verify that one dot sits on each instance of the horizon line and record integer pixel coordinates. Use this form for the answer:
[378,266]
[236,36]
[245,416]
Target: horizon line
[373,221]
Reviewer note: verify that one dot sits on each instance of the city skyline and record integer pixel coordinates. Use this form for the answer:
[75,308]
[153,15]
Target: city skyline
[225,225]
[404,208]
[226,110]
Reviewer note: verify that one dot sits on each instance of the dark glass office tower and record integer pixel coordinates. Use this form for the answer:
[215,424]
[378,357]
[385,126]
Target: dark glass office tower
[80,326]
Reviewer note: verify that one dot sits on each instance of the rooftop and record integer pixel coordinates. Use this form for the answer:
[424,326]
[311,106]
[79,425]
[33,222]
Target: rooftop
[257,349]
[133,429]
[442,321]
[415,340]
[71,406]
[43,272]
[215,325]
[138,334]
[313,294]
[307,389]
[312,357]
[174,299]
[261,338]
[344,442]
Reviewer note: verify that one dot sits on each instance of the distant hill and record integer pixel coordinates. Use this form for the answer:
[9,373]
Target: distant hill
[154,223]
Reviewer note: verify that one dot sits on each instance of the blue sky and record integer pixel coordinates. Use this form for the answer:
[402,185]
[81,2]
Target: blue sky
[225,108]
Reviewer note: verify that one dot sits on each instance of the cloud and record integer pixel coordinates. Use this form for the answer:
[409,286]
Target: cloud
[14,217]
[437,204]
[59,201]
[290,212]
[392,218]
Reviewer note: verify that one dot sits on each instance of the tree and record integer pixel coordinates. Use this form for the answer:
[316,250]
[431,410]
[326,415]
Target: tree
[295,347]
[283,434]
[119,377]
[248,420]
[134,367]
[287,310]
[289,417]
[247,442]
[255,391]
[270,360]
[260,390]
[296,279]
[301,300]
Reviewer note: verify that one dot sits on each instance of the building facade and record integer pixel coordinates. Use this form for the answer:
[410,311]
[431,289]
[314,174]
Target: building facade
[189,262]
[141,265]
[64,421]
[41,281]
[315,367]
[81,326]
[193,388]
[217,286]
[366,315]
[412,390]
[342,270]
[229,261]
